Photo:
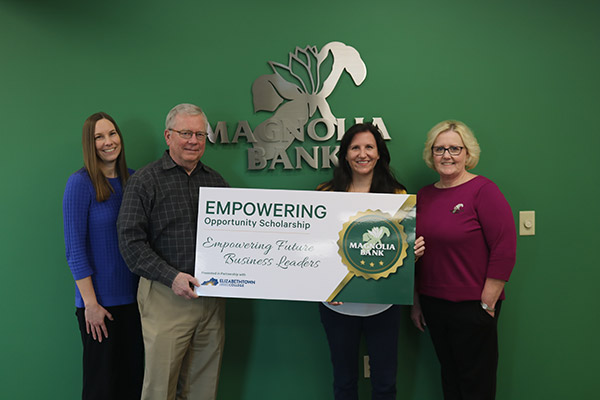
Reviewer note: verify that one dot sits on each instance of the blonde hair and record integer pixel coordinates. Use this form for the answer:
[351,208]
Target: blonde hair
[466,135]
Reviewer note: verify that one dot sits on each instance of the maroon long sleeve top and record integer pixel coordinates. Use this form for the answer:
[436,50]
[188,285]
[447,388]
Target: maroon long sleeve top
[470,235]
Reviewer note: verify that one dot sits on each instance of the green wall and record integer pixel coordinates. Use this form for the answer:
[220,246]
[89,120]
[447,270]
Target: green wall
[522,73]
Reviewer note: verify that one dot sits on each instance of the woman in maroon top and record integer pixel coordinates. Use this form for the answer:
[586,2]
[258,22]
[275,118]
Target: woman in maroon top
[471,246]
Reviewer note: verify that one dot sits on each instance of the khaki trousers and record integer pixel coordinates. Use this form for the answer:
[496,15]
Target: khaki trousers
[183,341]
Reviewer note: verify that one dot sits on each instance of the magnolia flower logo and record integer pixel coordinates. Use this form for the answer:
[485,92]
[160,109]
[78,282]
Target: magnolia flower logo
[296,91]
[373,236]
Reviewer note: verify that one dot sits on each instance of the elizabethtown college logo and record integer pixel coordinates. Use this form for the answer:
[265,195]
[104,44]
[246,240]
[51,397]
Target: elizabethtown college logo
[210,282]
[295,92]
[373,244]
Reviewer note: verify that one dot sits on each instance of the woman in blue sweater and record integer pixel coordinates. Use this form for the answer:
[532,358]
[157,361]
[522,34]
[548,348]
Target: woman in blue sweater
[105,293]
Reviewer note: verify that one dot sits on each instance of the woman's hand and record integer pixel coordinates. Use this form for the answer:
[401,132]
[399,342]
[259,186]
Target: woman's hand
[491,292]
[419,247]
[335,303]
[94,321]
[94,312]
[416,314]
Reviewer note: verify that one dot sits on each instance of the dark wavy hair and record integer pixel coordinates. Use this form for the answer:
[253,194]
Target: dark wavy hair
[383,177]
[91,160]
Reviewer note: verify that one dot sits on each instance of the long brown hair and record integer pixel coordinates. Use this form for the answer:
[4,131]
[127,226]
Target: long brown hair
[383,181]
[91,159]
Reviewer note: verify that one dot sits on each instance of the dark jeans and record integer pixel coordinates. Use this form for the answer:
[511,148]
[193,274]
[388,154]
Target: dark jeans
[465,338]
[113,369]
[381,334]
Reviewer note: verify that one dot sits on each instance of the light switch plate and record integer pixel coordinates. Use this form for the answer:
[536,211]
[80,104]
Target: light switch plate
[526,223]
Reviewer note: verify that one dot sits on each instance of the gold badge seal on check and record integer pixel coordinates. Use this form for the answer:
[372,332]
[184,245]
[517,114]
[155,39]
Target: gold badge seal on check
[372,244]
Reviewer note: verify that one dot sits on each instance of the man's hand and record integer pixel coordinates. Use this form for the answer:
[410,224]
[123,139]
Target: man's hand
[182,285]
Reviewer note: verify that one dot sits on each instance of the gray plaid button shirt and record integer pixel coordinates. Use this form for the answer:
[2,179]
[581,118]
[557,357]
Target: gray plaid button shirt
[158,218]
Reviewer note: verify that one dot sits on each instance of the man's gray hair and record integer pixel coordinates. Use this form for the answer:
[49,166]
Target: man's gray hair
[187,109]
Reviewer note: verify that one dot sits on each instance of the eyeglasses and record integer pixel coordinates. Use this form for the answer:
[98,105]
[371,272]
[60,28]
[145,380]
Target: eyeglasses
[187,135]
[452,150]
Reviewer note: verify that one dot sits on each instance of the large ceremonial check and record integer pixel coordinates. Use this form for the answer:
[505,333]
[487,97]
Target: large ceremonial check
[306,245]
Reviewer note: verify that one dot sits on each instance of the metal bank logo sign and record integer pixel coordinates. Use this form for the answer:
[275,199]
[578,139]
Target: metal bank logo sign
[297,94]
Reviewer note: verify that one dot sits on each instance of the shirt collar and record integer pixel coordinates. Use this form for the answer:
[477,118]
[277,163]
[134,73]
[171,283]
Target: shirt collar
[168,163]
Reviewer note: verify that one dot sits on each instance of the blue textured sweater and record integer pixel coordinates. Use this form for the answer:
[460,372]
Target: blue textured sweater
[91,242]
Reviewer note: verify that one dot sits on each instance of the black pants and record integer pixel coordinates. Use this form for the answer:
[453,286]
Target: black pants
[113,369]
[465,338]
[381,334]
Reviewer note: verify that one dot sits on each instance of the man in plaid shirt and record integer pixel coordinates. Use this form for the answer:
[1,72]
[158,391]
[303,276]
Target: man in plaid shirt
[183,333]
